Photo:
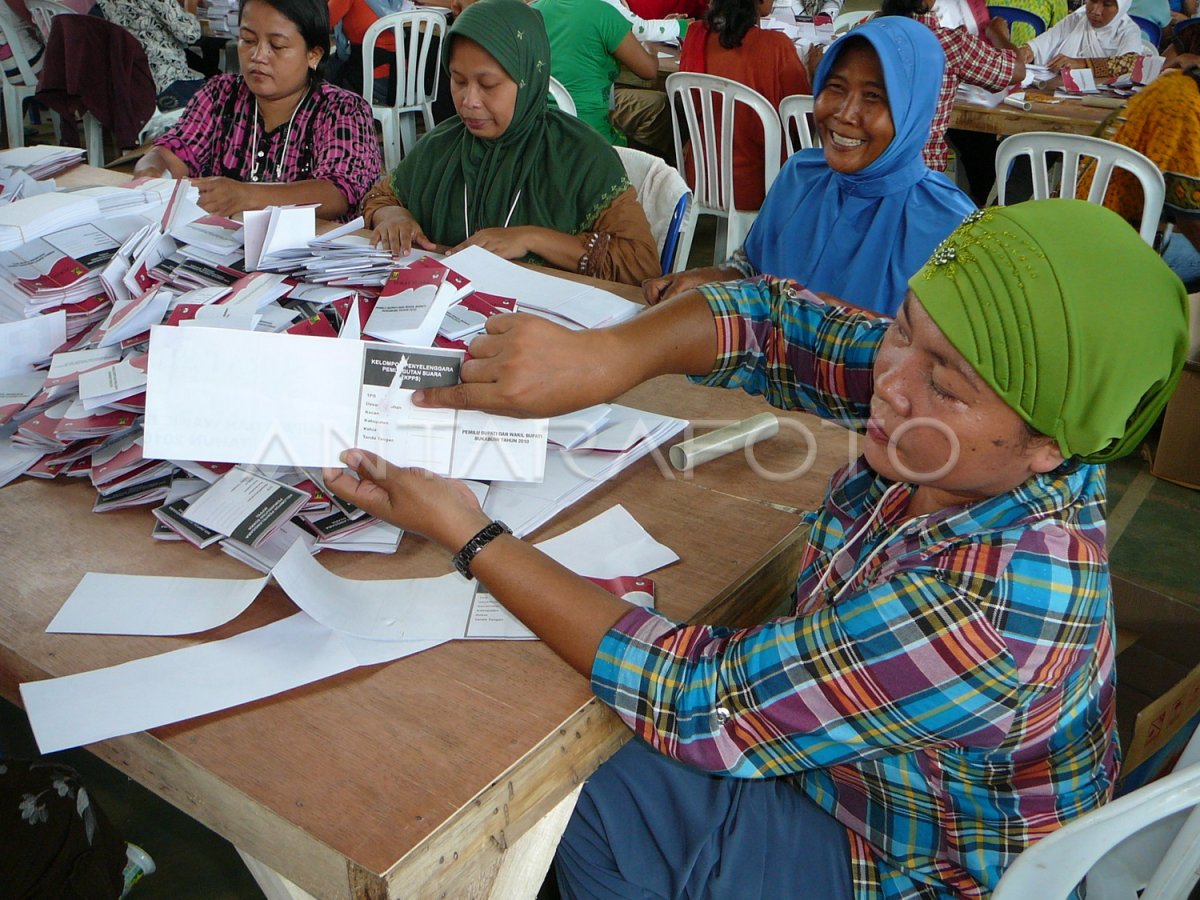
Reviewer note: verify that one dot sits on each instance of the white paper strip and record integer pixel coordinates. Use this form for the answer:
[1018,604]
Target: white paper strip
[153,604]
[145,693]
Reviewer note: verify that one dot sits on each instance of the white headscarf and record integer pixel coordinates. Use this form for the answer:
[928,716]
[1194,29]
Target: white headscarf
[1075,37]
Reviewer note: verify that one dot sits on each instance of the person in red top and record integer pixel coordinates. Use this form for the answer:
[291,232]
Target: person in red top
[729,43]
[990,64]
[665,9]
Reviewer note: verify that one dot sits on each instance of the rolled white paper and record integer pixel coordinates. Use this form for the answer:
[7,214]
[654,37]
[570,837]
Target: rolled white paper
[699,450]
[1018,102]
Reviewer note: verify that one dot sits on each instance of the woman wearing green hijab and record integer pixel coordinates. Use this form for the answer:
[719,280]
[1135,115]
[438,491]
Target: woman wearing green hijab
[509,173]
[942,694]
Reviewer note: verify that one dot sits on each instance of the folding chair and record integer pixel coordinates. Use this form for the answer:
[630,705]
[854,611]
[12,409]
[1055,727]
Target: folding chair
[1144,845]
[667,200]
[562,96]
[700,104]
[16,89]
[415,33]
[1038,145]
[799,130]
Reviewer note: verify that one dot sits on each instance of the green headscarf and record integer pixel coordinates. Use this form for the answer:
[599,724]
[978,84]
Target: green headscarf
[566,173]
[1071,318]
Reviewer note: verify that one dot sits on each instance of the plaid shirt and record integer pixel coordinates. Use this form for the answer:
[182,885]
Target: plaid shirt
[947,694]
[969,59]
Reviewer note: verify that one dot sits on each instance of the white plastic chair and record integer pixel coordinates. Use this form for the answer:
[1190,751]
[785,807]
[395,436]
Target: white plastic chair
[1147,841]
[562,96]
[414,32]
[661,190]
[1037,144]
[16,89]
[795,115]
[702,101]
[42,11]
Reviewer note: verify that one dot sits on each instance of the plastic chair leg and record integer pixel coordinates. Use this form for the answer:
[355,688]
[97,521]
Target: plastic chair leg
[13,120]
[407,125]
[94,140]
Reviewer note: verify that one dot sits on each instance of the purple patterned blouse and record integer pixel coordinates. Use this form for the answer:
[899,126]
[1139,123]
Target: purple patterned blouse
[332,138]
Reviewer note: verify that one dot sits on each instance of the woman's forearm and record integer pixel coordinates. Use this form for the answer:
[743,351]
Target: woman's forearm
[314,190]
[160,161]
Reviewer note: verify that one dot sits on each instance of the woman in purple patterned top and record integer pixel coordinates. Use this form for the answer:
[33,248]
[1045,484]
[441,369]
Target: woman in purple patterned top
[277,134]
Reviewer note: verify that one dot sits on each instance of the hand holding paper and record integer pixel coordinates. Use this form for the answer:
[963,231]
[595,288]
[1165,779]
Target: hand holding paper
[417,500]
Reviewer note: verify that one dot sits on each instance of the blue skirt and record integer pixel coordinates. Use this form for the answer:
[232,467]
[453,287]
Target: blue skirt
[647,826]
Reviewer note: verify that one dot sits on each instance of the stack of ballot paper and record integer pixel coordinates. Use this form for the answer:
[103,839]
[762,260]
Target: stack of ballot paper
[568,302]
[17,185]
[591,447]
[65,266]
[34,217]
[41,161]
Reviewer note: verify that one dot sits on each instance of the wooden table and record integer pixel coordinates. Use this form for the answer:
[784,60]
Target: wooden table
[1065,116]
[409,779]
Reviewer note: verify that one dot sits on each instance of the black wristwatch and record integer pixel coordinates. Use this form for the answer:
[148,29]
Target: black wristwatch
[462,559]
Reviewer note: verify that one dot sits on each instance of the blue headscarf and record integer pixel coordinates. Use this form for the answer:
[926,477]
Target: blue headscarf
[861,236]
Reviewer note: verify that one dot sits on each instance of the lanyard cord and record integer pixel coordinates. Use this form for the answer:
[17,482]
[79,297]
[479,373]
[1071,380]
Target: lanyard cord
[507,219]
[287,139]
[862,532]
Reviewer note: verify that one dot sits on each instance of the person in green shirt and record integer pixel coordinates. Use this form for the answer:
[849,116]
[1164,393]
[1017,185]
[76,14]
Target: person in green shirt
[589,42]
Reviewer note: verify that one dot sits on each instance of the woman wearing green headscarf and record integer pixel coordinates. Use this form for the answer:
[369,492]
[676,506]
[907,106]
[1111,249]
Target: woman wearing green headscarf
[509,173]
[942,693]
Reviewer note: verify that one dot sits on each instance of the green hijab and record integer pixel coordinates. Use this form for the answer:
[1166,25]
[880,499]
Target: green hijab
[1071,318]
[566,173]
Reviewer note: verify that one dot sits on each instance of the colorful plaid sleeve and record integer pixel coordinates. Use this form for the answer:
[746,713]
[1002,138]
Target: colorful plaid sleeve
[777,340]
[903,665]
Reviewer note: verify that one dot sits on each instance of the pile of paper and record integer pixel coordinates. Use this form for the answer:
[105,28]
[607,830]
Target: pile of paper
[42,161]
[139,354]
[588,448]
[567,302]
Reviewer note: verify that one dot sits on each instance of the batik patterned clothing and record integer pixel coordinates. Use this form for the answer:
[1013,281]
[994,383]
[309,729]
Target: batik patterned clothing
[164,29]
[331,138]
[945,685]
[970,60]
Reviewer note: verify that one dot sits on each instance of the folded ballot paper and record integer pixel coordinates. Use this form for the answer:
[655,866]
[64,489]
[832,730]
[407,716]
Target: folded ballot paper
[287,399]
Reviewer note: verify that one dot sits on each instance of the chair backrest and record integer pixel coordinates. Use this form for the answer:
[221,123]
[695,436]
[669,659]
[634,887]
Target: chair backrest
[21,55]
[414,32]
[1012,15]
[1152,30]
[799,130]
[42,11]
[702,105]
[562,96]
[1042,147]
[664,196]
[1051,868]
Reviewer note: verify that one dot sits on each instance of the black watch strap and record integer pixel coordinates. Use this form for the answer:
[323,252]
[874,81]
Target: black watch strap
[462,559]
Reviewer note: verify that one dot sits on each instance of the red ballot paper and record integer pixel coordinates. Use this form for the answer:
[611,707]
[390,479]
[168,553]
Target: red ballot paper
[469,316]
[638,591]
[414,302]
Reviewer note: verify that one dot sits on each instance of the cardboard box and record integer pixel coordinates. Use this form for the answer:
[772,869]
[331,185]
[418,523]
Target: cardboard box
[1177,456]
[1158,680]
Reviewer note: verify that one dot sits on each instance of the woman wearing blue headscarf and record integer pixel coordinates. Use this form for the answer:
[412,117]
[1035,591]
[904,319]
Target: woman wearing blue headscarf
[856,218]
